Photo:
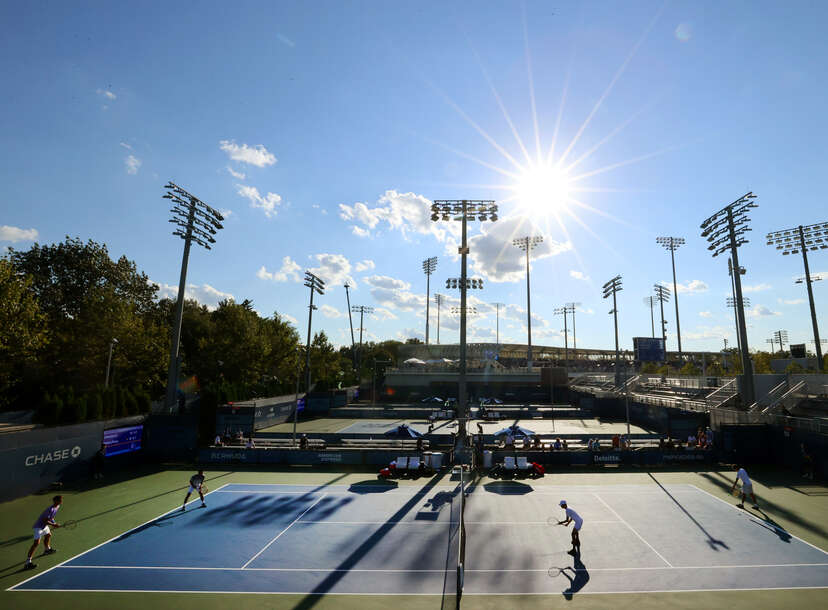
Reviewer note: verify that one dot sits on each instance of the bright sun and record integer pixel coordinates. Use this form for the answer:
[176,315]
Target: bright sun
[542,189]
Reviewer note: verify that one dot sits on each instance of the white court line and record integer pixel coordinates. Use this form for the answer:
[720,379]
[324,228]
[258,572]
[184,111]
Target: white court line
[482,570]
[742,511]
[436,522]
[439,594]
[12,588]
[319,499]
[632,530]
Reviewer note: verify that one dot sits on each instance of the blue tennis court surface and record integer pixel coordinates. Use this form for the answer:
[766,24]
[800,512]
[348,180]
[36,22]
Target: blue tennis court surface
[376,539]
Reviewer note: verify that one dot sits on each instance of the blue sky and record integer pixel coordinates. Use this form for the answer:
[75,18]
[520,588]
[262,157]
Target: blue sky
[326,128]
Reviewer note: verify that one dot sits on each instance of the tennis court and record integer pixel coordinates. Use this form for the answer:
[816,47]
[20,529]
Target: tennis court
[370,538]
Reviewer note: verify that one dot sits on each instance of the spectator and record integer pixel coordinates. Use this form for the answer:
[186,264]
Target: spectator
[616,441]
[479,428]
[419,443]
[661,443]
[807,462]
[669,444]
[510,440]
[303,441]
[589,445]
[239,436]
[558,446]
[596,446]
[217,440]
[250,444]
[691,441]
[708,434]
[564,445]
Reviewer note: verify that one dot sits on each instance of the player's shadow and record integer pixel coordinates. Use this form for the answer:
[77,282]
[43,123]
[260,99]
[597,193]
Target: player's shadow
[508,488]
[579,578]
[160,522]
[773,526]
[712,542]
[372,487]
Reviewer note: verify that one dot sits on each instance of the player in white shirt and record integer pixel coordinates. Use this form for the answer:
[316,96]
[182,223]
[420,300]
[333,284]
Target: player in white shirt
[575,519]
[747,488]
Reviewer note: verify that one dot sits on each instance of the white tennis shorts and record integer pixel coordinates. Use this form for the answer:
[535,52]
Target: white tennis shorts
[39,532]
[747,488]
[192,489]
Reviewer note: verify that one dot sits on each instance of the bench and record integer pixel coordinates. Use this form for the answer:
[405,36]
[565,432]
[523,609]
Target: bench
[278,443]
[384,443]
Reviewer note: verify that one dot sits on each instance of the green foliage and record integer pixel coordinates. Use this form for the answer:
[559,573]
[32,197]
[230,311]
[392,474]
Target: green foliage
[761,362]
[648,368]
[663,370]
[690,369]
[795,368]
[95,408]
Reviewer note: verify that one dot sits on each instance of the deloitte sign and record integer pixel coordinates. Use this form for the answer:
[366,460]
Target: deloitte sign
[53,456]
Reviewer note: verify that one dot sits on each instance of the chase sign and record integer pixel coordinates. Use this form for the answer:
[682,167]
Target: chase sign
[53,456]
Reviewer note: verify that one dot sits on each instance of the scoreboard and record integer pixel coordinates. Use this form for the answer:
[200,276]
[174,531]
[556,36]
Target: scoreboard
[649,349]
[122,440]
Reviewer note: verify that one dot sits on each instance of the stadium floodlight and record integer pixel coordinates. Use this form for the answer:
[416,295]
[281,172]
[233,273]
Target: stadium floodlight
[197,222]
[438,299]
[526,244]
[351,324]
[800,240]
[672,244]
[463,210]
[470,310]
[316,284]
[429,266]
[772,342]
[361,310]
[781,337]
[563,311]
[650,302]
[662,295]
[725,231]
[112,343]
[497,320]
[612,287]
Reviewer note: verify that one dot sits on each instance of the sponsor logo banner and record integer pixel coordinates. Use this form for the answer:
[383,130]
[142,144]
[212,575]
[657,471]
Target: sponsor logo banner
[53,456]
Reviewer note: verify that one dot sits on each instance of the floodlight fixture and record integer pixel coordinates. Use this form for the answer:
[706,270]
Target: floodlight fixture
[612,287]
[527,244]
[672,244]
[801,240]
[429,266]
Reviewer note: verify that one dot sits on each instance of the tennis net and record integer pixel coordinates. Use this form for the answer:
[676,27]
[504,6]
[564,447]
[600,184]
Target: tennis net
[461,555]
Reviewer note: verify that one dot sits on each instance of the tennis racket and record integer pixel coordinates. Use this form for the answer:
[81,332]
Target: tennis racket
[554,572]
[204,489]
[70,525]
[736,492]
[553,521]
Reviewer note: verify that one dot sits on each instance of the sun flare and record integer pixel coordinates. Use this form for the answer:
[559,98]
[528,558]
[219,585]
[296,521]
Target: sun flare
[542,188]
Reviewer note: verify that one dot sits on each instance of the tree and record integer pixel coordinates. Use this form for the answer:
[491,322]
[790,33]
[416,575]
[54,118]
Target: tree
[324,361]
[761,363]
[690,369]
[23,330]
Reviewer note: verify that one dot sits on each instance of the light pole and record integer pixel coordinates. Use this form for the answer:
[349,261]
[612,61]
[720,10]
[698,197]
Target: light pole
[497,322]
[772,342]
[361,310]
[438,299]
[316,285]
[731,302]
[562,311]
[429,266]
[612,288]
[572,307]
[296,399]
[662,295]
[526,244]
[112,343]
[725,230]
[463,211]
[672,244]
[781,337]
[196,222]
[650,302]
[801,239]
[351,323]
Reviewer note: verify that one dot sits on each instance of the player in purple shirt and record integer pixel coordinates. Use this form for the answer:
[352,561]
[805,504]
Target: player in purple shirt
[41,530]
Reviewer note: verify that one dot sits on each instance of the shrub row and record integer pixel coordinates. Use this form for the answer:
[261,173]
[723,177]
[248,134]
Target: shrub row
[63,407]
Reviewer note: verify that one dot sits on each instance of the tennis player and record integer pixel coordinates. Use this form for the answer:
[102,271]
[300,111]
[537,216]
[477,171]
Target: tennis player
[747,488]
[41,530]
[575,519]
[196,481]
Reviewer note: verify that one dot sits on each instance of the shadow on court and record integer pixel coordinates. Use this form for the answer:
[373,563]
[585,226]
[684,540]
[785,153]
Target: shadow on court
[508,488]
[579,578]
[711,541]
[773,526]
[311,599]
[372,487]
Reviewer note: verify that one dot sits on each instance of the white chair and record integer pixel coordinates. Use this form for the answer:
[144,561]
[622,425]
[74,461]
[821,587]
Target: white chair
[509,463]
[522,463]
[402,463]
[414,463]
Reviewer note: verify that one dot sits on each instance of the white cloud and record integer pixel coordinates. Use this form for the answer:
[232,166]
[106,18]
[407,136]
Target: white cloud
[791,301]
[333,269]
[707,332]
[705,314]
[760,311]
[133,164]
[578,275]
[366,265]
[411,333]
[756,288]
[331,312]
[226,213]
[14,234]
[125,145]
[267,203]
[381,313]
[407,213]
[394,293]
[289,271]
[235,174]
[204,293]
[691,287]
[493,255]
[254,155]
[107,94]
[285,40]
[289,318]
